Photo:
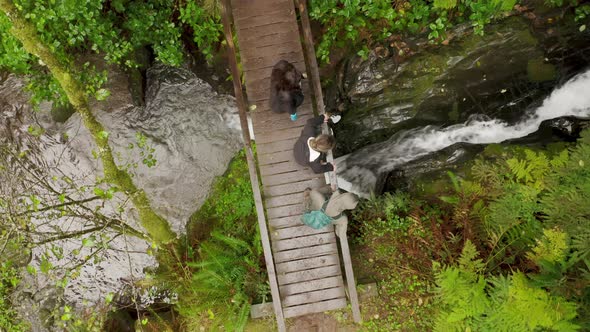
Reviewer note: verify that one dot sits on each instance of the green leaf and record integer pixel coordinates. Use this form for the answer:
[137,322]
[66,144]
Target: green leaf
[89,241]
[31,269]
[45,265]
[99,192]
[102,94]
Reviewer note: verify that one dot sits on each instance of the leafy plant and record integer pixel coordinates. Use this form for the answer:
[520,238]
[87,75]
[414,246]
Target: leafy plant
[217,292]
[205,24]
[470,301]
[357,23]
[9,319]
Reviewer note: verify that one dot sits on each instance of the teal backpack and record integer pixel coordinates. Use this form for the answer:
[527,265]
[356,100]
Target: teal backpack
[317,219]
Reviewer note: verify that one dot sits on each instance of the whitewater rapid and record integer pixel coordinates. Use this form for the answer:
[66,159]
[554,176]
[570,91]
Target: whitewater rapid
[359,171]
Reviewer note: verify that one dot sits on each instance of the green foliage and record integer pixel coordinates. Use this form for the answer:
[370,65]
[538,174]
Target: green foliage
[231,201]
[113,29]
[469,301]
[552,247]
[227,268]
[206,26]
[224,272]
[9,278]
[392,218]
[358,22]
[564,203]
[462,293]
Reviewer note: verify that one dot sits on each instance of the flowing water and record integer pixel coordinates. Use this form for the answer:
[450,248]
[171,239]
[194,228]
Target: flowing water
[360,171]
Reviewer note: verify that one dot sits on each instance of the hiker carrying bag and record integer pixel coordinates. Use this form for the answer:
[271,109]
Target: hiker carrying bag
[317,219]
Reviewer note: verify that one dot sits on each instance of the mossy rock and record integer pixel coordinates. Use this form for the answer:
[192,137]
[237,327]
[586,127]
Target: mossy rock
[540,71]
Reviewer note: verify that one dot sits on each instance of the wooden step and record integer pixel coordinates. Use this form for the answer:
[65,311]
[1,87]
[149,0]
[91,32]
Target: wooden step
[314,307]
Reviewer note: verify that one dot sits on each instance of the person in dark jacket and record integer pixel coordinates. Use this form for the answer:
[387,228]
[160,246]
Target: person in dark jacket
[311,148]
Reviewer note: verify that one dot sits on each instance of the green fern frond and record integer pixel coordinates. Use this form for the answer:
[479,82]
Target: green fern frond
[467,260]
[552,247]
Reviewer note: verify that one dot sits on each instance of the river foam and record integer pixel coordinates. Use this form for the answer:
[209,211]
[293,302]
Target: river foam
[359,171]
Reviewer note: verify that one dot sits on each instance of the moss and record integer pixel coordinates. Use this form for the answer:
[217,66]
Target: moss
[454,113]
[425,71]
[539,71]
[229,206]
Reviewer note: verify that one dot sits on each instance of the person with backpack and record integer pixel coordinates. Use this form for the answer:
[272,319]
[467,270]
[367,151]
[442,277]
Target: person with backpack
[311,147]
[321,211]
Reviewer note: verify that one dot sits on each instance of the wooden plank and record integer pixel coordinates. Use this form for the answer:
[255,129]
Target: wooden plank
[289,188]
[252,33]
[272,147]
[304,241]
[307,264]
[283,167]
[257,7]
[350,281]
[273,158]
[279,47]
[311,285]
[314,307]
[266,120]
[315,296]
[309,252]
[263,106]
[275,15]
[269,61]
[296,198]
[281,135]
[270,121]
[269,40]
[285,222]
[312,274]
[275,179]
[242,108]
[297,231]
[284,211]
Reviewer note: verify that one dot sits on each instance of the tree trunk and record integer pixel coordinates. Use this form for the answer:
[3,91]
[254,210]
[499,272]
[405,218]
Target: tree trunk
[156,226]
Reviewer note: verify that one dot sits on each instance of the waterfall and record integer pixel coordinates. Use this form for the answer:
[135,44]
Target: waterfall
[359,171]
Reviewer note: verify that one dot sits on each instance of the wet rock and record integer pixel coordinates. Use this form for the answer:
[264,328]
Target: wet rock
[499,75]
[194,133]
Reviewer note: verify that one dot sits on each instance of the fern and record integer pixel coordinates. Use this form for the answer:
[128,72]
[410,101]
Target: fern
[219,282]
[511,222]
[522,307]
[531,170]
[469,302]
[565,203]
[551,247]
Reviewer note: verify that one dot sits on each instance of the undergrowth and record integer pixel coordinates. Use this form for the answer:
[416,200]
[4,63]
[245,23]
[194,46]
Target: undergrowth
[505,247]
[221,271]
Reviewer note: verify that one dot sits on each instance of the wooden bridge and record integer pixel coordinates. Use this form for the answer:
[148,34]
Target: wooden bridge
[303,264]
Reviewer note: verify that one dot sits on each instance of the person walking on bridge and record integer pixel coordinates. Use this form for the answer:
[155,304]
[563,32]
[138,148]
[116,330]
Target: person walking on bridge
[311,147]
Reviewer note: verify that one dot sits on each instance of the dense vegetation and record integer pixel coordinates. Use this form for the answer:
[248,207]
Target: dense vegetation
[504,247]
[115,30]
[359,24]
[221,272]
